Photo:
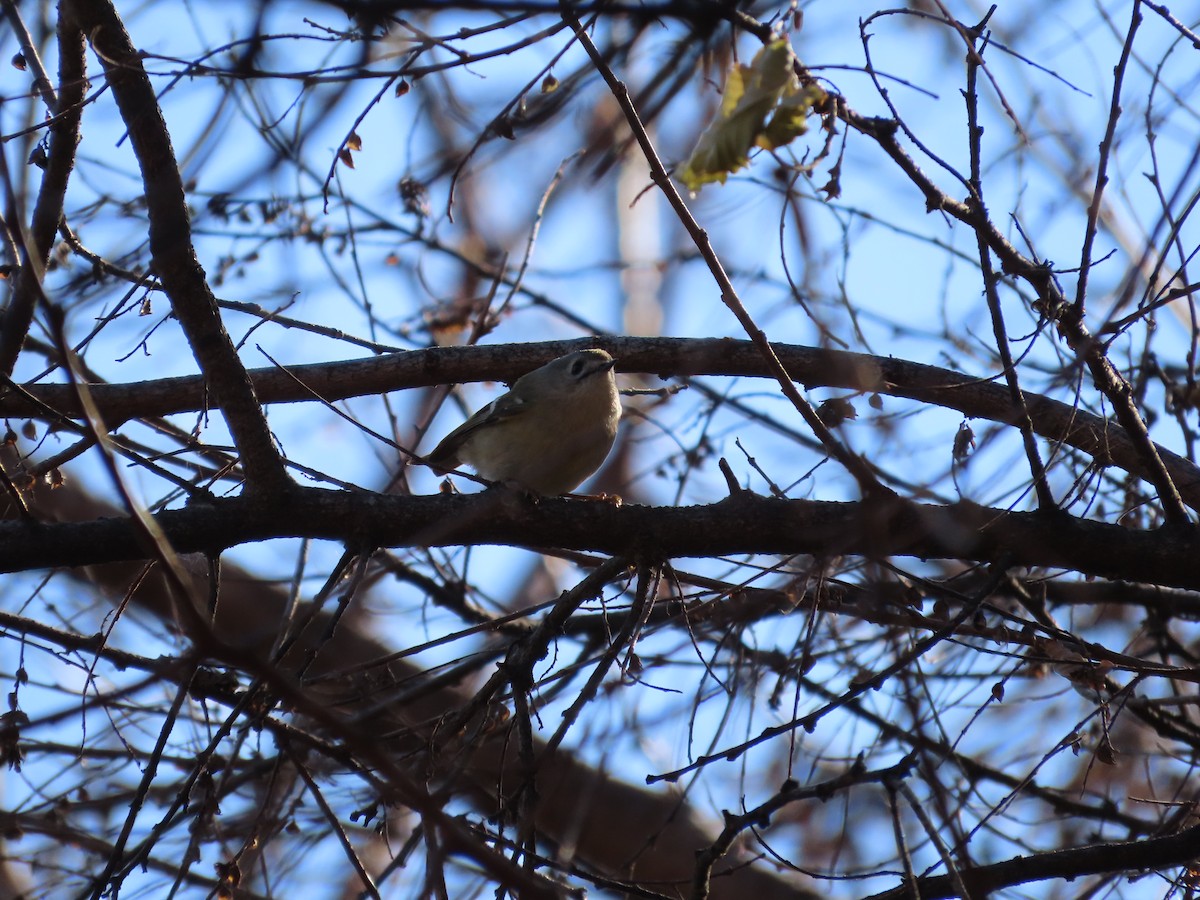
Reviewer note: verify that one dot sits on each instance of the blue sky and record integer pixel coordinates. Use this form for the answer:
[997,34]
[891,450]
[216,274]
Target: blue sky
[910,276]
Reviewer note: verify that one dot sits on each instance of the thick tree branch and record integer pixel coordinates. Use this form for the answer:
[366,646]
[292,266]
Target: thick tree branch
[175,261]
[746,523]
[1100,438]
[1127,856]
[67,109]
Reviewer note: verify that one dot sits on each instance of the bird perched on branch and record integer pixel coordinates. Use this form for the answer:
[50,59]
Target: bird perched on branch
[551,431]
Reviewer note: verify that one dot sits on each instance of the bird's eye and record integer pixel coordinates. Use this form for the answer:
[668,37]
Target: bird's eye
[577,368]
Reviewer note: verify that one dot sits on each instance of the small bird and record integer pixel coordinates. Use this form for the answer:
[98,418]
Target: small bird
[549,433]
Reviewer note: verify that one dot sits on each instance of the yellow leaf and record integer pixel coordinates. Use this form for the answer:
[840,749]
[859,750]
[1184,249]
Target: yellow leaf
[763,105]
[790,118]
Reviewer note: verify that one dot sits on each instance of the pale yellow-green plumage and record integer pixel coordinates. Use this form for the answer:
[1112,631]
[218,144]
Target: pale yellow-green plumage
[551,431]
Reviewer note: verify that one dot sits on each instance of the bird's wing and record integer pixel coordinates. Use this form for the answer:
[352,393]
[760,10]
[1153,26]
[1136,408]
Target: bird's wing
[503,407]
